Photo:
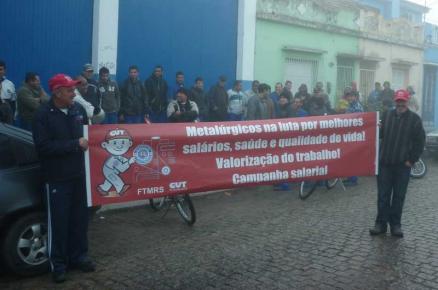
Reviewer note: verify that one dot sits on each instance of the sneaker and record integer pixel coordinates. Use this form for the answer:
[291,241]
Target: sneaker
[85,266]
[58,277]
[378,230]
[396,231]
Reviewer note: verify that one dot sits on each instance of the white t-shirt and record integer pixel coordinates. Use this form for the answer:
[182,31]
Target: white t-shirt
[8,90]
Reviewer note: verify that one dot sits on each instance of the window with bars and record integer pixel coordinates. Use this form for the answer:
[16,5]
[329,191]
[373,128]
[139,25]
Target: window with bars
[345,75]
[367,79]
[429,92]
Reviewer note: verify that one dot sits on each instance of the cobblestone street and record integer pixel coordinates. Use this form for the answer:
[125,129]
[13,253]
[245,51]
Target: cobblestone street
[256,238]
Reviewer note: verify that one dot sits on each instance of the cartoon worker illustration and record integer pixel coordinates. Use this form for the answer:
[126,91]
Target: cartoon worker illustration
[117,142]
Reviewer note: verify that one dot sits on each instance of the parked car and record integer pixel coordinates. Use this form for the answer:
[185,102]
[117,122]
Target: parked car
[432,142]
[23,223]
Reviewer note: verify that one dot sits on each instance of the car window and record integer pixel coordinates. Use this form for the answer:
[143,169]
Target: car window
[7,156]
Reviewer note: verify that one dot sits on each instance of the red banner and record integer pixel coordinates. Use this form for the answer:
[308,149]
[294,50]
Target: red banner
[134,162]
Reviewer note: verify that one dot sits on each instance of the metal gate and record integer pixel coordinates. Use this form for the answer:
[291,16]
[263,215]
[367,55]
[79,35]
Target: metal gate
[367,79]
[345,75]
[429,93]
[301,71]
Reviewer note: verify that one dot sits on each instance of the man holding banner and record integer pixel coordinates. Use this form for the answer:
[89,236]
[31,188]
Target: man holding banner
[59,141]
[402,142]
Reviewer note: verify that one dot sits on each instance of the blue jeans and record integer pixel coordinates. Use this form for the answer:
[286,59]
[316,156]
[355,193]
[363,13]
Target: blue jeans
[392,184]
[111,118]
[136,119]
[160,117]
[235,117]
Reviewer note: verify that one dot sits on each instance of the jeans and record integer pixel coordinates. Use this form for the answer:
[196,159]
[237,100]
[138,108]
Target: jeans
[235,117]
[160,117]
[68,223]
[392,184]
[136,119]
[111,118]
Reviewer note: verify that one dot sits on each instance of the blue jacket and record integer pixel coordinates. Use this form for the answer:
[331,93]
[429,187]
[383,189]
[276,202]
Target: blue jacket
[56,136]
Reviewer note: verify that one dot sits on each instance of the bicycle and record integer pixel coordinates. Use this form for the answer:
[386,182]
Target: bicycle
[183,204]
[307,187]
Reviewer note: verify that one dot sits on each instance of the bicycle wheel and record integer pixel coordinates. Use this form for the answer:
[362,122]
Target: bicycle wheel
[157,203]
[185,208]
[331,183]
[307,188]
[418,169]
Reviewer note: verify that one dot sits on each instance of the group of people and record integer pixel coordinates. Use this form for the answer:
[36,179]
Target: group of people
[57,125]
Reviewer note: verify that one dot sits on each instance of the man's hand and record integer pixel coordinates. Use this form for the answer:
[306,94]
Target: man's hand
[408,164]
[83,143]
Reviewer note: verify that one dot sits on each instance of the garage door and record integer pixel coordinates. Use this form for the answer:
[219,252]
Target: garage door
[300,71]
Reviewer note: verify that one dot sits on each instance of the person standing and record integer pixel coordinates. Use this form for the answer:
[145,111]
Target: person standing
[182,109]
[87,73]
[260,106]
[134,105]
[7,92]
[402,142]
[413,102]
[197,95]
[29,98]
[59,141]
[237,102]
[218,100]
[254,89]
[374,102]
[110,96]
[156,91]
[5,111]
[275,96]
[303,94]
[288,87]
[179,83]
[387,97]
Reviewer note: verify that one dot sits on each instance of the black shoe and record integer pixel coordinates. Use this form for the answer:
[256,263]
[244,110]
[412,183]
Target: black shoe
[396,231]
[85,266]
[378,230]
[58,277]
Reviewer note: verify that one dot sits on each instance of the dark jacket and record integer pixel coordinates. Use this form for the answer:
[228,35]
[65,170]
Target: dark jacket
[260,108]
[110,96]
[218,100]
[156,90]
[29,100]
[387,99]
[402,138]
[133,99]
[199,97]
[188,112]
[56,136]
[94,97]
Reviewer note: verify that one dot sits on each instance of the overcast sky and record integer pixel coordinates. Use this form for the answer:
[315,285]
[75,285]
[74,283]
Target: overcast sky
[432,16]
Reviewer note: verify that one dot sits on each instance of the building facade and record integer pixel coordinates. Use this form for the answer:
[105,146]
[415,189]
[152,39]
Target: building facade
[307,42]
[430,82]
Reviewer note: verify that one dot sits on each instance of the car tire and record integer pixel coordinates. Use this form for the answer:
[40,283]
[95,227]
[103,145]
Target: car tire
[25,245]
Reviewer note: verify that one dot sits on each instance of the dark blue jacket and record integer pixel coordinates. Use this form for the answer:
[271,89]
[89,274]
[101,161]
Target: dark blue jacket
[56,136]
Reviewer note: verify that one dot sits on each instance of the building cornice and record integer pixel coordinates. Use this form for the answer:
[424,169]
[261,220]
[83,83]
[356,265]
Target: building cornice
[291,20]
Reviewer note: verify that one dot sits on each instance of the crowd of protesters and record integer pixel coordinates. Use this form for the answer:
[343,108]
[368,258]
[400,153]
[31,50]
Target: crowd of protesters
[156,101]
[57,125]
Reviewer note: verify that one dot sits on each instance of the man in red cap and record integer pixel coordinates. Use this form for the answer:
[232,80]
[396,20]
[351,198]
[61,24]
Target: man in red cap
[402,142]
[59,141]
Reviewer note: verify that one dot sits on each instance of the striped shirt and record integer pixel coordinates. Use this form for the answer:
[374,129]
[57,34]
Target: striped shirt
[402,137]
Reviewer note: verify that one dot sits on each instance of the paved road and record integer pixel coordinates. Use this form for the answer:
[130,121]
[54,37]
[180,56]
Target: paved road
[259,239]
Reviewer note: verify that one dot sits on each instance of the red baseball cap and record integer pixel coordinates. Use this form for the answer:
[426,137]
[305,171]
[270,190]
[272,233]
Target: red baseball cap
[62,80]
[117,134]
[401,95]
